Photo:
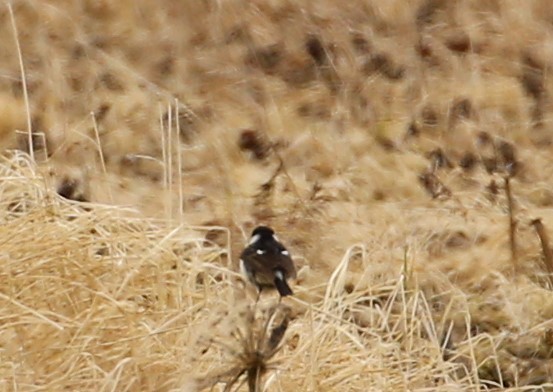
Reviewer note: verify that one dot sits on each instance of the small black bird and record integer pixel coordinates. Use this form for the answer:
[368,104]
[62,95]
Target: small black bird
[266,262]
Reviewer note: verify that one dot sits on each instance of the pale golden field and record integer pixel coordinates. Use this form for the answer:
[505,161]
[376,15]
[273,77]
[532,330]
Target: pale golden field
[143,140]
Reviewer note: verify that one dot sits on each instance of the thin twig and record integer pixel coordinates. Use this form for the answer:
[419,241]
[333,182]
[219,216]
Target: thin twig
[512,222]
[164,157]
[282,167]
[546,248]
[170,158]
[101,154]
[179,161]
[405,269]
[23,83]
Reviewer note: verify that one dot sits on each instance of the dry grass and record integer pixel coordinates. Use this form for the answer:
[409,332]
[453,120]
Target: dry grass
[95,298]
[374,136]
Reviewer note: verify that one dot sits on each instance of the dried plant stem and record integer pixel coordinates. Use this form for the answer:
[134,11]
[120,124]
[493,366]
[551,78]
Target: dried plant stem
[546,248]
[512,223]
[406,272]
[254,375]
[23,82]
[179,161]
[101,153]
[282,167]
[169,165]
[32,311]
[164,154]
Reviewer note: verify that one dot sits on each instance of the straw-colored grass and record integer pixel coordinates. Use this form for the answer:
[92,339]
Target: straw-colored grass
[97,298]
[144,140]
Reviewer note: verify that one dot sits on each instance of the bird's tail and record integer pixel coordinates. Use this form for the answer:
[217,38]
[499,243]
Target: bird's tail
[282,285]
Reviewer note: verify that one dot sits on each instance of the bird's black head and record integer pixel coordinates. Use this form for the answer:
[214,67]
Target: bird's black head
[263,232]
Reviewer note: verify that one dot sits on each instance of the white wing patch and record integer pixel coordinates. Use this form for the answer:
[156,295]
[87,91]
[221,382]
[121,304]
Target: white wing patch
[260,251]
[243,269]
[285,252]
[279,275]
[254,239]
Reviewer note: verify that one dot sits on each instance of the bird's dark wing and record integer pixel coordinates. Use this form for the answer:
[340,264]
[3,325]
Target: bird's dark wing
[286,263]
[263,266]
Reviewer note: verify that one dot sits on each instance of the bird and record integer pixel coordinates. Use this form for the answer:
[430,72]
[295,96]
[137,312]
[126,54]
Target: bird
[266,263]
